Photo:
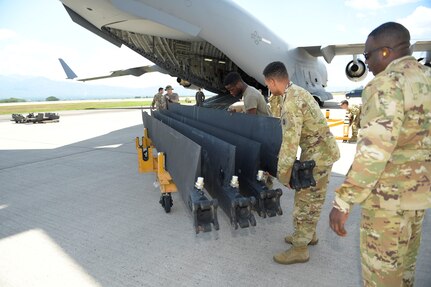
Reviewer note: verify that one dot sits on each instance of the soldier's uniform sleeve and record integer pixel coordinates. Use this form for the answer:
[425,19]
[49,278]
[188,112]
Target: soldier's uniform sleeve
[291,121]
[250,101]
[381,124]
[154,101]
[274,104]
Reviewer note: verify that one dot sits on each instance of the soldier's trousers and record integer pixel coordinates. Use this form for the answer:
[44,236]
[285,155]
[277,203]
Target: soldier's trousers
[354,130]
[308,205]
[389,244]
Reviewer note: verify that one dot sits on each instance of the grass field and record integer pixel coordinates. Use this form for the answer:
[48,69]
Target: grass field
[42,107]
[24,108]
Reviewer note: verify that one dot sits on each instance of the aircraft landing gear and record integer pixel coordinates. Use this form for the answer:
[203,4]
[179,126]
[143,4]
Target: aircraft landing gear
[166,202]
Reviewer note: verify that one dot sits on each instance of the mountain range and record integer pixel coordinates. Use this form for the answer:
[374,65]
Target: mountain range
[40,88]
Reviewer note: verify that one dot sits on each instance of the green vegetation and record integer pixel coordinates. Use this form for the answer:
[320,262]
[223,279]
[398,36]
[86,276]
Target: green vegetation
[51,99]
[41,107]
[65,106]
[12,100]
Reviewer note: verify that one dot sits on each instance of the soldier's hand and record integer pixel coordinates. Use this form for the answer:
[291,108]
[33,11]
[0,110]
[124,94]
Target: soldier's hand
[337,219]
[268,180]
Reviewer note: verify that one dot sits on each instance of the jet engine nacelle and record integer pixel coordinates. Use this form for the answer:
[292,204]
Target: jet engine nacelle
[356,70]
[186,84]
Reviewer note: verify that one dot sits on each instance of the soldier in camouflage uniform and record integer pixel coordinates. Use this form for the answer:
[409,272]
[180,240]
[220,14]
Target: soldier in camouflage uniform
[159,101]
[171,97]
[354,114]
[390,176]
[303,125]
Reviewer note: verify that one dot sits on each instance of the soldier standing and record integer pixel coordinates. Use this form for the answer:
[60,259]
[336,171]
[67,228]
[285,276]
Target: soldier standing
[254,102]
[199,97]
[304,125]
[170,95]
[390,176]
[354,114]
[159,101]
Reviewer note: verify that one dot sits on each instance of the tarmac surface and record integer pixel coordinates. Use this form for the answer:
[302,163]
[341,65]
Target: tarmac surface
[74,211]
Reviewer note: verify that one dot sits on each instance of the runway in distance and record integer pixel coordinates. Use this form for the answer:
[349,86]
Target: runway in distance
[199,48]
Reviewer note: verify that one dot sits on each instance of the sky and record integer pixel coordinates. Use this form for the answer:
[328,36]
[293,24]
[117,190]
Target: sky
[34,34]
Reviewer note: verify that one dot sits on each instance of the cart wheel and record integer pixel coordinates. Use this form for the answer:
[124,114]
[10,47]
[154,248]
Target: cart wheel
[166,202]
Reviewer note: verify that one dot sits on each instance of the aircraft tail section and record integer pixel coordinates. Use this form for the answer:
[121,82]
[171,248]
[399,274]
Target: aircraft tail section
[69,73]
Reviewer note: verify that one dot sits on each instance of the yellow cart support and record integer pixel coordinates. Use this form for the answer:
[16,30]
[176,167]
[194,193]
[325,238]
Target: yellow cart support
[337,122]
[346,127]
[148,162]
[333,123]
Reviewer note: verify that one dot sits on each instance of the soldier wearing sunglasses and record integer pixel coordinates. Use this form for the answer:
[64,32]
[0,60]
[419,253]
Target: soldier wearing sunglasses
[390,176]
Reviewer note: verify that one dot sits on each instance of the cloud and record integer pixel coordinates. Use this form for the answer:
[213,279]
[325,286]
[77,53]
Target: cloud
[6,34]
[341,28]
[418,23]
[31,57]
[376,4]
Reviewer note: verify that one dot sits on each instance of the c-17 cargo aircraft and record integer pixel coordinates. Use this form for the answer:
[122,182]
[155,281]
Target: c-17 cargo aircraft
[199,42]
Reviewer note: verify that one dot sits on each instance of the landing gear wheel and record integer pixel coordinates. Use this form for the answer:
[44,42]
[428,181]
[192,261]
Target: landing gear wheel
[166,202]
[319,102]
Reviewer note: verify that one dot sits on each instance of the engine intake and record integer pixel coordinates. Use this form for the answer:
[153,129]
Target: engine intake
[186,84]
[183,83]
[356,70]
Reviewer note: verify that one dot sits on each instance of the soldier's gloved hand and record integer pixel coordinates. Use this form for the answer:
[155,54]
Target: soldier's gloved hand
[268,180]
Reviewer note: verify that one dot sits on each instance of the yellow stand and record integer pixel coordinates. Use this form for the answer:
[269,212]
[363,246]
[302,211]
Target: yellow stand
[337,122]
[333,123]
[346,127]
[147,162]
[166,183]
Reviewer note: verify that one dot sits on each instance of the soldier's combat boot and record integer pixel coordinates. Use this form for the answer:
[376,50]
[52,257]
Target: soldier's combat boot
[353,139]
[293,255]
[314,240]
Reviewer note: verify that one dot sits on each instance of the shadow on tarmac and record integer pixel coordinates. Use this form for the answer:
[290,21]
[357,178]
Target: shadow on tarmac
[91,202]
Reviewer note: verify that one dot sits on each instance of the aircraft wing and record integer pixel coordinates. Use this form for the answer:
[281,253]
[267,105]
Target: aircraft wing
[137,71]
[330,51]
